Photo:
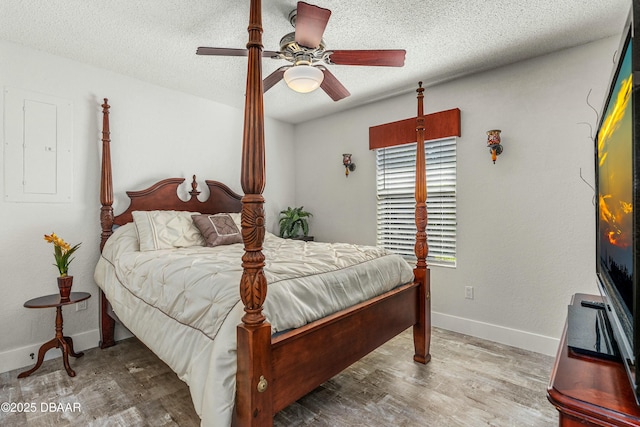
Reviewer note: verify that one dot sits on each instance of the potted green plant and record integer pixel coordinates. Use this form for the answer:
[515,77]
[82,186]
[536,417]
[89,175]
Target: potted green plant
[293,222]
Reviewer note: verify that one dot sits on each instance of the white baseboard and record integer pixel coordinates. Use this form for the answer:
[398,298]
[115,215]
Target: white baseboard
[513,337]
[20,357]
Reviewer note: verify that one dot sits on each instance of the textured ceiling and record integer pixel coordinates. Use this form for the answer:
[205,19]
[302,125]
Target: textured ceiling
[156,40]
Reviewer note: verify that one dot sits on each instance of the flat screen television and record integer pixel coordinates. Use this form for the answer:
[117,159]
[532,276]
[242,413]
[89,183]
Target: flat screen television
[617,173]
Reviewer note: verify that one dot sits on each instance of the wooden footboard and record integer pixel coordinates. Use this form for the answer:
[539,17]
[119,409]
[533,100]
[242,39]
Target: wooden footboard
[308,356]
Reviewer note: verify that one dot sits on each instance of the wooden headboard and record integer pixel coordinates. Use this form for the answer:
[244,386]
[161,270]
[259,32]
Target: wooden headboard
[163,195]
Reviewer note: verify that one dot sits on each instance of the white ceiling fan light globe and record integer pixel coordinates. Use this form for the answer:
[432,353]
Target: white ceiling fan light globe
[303,78]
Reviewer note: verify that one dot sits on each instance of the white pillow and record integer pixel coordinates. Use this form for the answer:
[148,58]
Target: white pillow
[166,230]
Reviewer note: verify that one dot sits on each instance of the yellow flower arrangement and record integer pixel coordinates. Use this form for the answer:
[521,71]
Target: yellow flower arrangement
[61,251]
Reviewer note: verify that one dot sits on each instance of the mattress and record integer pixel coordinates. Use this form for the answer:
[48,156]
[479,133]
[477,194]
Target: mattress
[184,303]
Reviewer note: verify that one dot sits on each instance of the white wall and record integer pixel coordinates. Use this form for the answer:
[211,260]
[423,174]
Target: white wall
[156,133]
[525,225]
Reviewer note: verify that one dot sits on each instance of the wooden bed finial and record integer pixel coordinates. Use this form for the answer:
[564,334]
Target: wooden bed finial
[106,181]
[194,188]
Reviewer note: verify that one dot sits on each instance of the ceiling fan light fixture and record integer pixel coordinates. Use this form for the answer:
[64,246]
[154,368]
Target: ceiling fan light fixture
[303,78]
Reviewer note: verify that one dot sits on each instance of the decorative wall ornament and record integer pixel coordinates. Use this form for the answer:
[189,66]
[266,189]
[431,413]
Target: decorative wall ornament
[348,164]
[494,143]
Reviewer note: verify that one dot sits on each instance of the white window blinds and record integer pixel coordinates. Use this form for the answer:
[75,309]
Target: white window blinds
[396,168]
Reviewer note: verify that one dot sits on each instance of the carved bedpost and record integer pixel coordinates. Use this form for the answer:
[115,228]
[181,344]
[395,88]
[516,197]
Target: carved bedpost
[107,324]
[106,181]
[422,329]
[253,396]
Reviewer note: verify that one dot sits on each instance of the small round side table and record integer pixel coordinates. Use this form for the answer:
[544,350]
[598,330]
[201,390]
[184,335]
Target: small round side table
[60,341]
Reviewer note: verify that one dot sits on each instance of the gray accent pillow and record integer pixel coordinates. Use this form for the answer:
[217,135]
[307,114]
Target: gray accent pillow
[218,229]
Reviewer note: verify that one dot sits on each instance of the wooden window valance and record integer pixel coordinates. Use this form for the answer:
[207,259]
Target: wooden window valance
[436,125]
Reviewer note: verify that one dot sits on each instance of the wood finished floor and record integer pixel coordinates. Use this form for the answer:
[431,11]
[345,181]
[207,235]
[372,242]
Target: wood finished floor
[469,382]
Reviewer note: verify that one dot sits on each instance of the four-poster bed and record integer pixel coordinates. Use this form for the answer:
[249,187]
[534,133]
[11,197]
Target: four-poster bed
[273,370]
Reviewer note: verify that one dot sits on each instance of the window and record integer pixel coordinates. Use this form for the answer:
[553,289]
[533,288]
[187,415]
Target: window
[396,168]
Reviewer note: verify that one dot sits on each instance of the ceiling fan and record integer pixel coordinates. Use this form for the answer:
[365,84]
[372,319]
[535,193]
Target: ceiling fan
[307,52]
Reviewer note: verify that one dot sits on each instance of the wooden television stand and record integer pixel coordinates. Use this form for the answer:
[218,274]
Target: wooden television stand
[588,391]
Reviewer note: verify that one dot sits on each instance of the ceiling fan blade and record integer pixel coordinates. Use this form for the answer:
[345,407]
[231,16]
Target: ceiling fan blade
[332,86]
[310,24]
[223,51]
[384,58]
[273,78]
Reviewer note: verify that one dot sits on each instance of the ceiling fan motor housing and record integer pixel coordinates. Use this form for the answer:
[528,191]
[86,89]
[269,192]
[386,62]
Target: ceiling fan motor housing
[297,54]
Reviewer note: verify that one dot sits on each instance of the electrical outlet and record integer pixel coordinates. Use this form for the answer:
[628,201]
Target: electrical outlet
[468,292]
[82,305]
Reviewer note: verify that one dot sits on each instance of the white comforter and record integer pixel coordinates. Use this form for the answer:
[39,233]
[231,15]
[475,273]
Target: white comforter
[184,304]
